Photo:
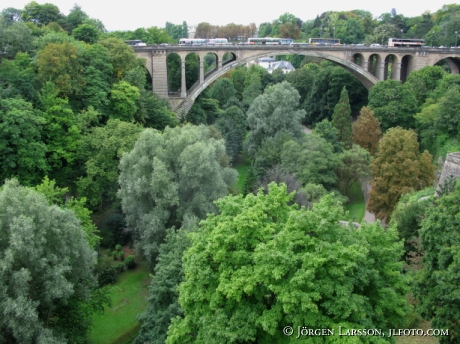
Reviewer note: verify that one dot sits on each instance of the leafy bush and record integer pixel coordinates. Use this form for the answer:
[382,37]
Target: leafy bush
[118,247]
[106,276]
[115,255]
[121,255]
[119,268]
[129,261]
[113,231]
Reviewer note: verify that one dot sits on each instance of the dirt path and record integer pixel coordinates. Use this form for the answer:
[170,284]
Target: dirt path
[368,216]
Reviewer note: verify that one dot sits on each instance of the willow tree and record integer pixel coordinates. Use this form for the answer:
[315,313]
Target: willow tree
[170,177]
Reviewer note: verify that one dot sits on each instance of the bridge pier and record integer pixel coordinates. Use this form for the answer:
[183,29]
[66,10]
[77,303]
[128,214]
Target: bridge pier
[396,71]
[201,70]
[183,86]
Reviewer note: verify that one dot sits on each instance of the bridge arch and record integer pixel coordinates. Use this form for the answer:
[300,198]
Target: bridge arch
[367,79]
[453,62]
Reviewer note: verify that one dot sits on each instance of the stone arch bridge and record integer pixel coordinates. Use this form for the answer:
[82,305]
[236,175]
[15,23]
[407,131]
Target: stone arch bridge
[367,64]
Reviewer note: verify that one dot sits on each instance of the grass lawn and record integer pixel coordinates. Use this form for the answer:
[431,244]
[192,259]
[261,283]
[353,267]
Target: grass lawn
[356,207]
[242,165]
[118,324]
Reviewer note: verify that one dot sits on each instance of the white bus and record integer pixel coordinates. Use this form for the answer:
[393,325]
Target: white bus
[192,41]
[269,40]
[406,42]
[217,41]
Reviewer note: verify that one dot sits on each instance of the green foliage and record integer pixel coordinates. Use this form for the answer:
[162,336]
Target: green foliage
[86,33]
[123,101]
[18,78]
[437,288]
[22,151]
[223,90]
[61,134]
[113,231]
[121,56]
[273,112]
[129,262]
[59,196]
[163,300]
[312,160]
[232,125]
[14,38]
[260,265]
[61,64]
[325,94]
[355,167]
[341,120]
[168,177]
[101,150]
[448,116]
[394,104]
[46,263]
[40,14]
[155,112]
[327,131]
[424,81]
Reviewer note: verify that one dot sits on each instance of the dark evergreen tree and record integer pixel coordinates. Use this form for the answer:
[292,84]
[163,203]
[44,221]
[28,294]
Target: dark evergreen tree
[341,120]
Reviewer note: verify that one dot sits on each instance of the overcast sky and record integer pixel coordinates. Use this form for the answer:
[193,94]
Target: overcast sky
[132,14]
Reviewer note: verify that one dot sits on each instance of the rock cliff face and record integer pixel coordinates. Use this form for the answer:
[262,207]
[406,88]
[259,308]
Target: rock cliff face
[451,168]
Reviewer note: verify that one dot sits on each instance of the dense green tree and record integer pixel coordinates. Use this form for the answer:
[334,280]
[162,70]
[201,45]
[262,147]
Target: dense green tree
[260,265]
[326,91]
[163,300]
[61,134]
[238,76]
[232,125]
[355,167]
[448,116]
[155,112]
[75,18]
[14,38]
[22,151]
[366,130]
[223,90]
[18,78]
[424,81]
[302,79]
[253,90]
[60,64]
[312,160]
[11,15]
[123,101]
[46,262]
[102,150]
[170,176]
[41,14]
[341,120]
[437,289]
[327,131]
[86,33]
[394,104]
[98,75]
[121,56]
[272,112]
[398,168]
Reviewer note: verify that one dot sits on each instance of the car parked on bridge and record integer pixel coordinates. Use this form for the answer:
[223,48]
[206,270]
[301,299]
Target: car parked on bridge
[375,45]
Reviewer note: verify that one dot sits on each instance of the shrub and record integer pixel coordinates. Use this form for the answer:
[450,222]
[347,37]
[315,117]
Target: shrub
[118,247]
[106,276]
[113,231]
[119,268]
[121,255]
[129,262]
[115,255]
